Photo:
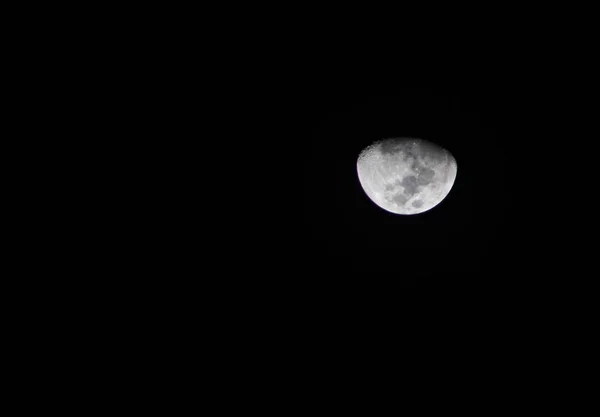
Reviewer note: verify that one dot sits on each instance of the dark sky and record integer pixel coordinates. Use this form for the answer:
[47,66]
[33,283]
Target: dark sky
[469,234]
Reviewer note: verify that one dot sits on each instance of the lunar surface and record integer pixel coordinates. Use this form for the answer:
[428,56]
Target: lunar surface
[405,175]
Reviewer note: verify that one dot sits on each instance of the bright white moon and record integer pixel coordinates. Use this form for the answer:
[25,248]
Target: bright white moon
[405,175]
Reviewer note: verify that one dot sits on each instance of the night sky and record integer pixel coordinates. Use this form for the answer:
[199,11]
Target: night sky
[469,234]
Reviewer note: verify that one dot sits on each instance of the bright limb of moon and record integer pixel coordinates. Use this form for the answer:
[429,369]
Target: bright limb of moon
[406,175]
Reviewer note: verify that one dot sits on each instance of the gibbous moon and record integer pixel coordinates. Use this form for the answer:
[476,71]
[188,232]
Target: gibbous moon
[405,175]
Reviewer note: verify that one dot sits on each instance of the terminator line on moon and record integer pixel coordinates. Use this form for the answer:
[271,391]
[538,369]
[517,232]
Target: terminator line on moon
[406,175]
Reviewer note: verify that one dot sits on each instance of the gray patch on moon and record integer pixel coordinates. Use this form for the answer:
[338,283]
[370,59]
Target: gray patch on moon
[416,166]
[425,176]
[392,187]
[400,199]
[410,184]
[417,203]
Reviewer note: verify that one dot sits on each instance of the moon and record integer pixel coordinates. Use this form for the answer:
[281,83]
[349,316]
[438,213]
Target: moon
[406,175]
